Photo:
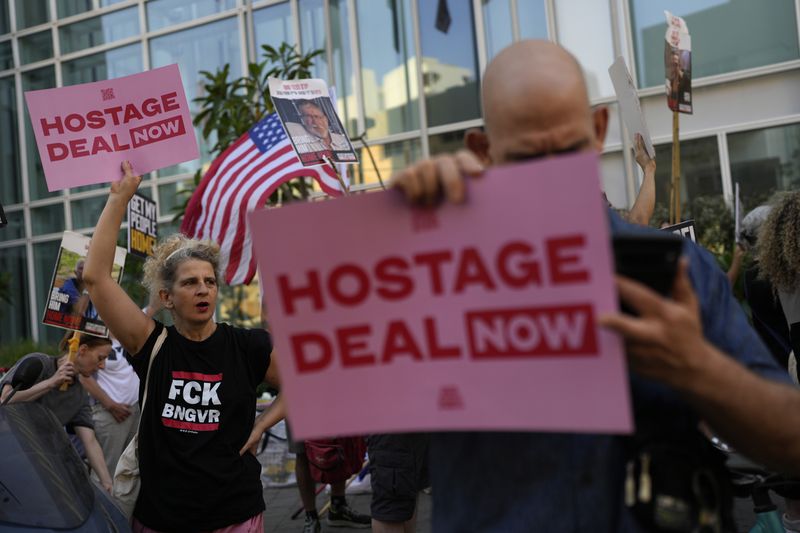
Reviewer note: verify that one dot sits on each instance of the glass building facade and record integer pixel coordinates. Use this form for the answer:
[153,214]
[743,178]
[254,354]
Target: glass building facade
[408,88]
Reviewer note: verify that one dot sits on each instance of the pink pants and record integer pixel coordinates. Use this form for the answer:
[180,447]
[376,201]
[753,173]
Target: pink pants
[254,524]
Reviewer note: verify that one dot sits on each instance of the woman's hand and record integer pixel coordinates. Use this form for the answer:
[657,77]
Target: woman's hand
[129,183]
[64,374]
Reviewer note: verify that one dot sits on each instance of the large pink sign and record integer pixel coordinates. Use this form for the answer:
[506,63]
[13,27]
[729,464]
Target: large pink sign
[83,132]
[474,317]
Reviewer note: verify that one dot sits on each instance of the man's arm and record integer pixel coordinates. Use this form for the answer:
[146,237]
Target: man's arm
[119,411]
[642,210]
[94,453]
[666,343]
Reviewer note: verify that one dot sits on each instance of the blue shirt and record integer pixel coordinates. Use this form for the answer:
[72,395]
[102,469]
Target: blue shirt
[510,482]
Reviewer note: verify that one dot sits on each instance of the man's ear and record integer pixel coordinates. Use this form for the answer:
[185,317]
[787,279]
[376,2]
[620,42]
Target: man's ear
[477,142]
[600,124]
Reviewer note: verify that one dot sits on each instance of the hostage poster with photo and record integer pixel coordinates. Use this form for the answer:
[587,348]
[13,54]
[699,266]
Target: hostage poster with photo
[68,303]
[310,120]
[678,64]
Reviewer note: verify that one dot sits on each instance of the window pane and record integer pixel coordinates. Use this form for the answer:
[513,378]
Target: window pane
[389,158]
[163,13]
[86,212]
[342,57]
[105,65]
[765,161]
[755,34]
[497,29]
[47,219]
[584,28]
[36,47]
[532,19]
[15,228]
[273,26]
[388,71]
[207,47]
[31,12]
[15,321]
[6,56]
[312,34]
[67,8]
[449,142]
[701,178]
[10,184]
[169,196]
[44,261]
[449,66]
[612,179]
[5,20]
[42,78]
[99,30]
[104,3]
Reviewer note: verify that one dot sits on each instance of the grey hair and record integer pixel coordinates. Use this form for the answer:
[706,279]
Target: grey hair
[161,268]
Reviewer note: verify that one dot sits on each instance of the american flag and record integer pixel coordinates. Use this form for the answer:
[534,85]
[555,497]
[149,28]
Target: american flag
[240,180]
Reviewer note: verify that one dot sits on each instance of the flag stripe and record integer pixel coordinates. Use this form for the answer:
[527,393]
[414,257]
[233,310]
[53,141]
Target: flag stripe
[240,180]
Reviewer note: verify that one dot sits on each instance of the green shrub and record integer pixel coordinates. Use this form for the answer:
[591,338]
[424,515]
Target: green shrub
[10,353]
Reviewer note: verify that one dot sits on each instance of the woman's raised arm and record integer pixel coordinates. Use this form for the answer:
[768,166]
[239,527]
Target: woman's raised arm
[122,316]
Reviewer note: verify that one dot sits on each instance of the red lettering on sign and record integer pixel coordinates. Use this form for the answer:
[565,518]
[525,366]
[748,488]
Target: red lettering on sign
[450,398]
[393,271]
[157,131]
[338,285]
[562,254]
[352,348]
[434,261]
[290,294]
[542,331]
[304,358]
[472,271]
[399,342]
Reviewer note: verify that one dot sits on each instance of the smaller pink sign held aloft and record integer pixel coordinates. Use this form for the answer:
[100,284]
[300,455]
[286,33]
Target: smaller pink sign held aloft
[481,316]
[83,132]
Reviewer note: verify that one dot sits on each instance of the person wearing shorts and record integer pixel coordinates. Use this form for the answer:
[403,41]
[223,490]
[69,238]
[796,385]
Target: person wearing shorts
[398,467]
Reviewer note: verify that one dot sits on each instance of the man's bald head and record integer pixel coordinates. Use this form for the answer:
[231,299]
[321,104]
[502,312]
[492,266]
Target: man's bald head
[535,102]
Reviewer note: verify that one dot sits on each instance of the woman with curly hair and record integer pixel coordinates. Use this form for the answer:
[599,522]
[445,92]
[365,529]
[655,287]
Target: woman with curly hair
[778,256]
[196,431]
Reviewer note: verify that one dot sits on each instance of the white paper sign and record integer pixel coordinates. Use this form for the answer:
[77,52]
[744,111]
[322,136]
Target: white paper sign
[629,104]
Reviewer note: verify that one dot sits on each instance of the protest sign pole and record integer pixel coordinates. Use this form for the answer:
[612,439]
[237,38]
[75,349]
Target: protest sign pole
[74,342]
[675,189]
[345,188]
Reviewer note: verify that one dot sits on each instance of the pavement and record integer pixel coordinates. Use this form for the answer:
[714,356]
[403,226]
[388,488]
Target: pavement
[283,502]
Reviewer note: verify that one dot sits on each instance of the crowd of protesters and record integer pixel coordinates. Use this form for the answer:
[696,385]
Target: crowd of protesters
[190,388]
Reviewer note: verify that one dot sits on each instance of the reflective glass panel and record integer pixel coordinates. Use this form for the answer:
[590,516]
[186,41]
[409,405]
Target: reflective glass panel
[764,162]
[104,65]
[388,159]
[732,35]
[5,21]
[6,56]
[86,212]
[15,322]
[701,180]
[312,34]
[171,195]
[15,229]
[388,66]
[36,47]
[497,26]
[163,13]
[584,28]
[612,178]
[342,57]
[99,30]
[532,19]
[104,3]
[10,184]
[41,78]
[47,219]
[449,142]
[31,12]
[449,66]
[67,8]
[206,47]
[273,25]
[44,261]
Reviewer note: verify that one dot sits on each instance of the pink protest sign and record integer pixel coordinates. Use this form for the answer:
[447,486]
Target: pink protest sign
[474,317]
[84,132]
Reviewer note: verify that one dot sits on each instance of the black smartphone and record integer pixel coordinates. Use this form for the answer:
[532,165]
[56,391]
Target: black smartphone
[650,258]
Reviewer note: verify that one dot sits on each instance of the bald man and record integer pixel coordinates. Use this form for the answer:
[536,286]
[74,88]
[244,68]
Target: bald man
[691,357]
